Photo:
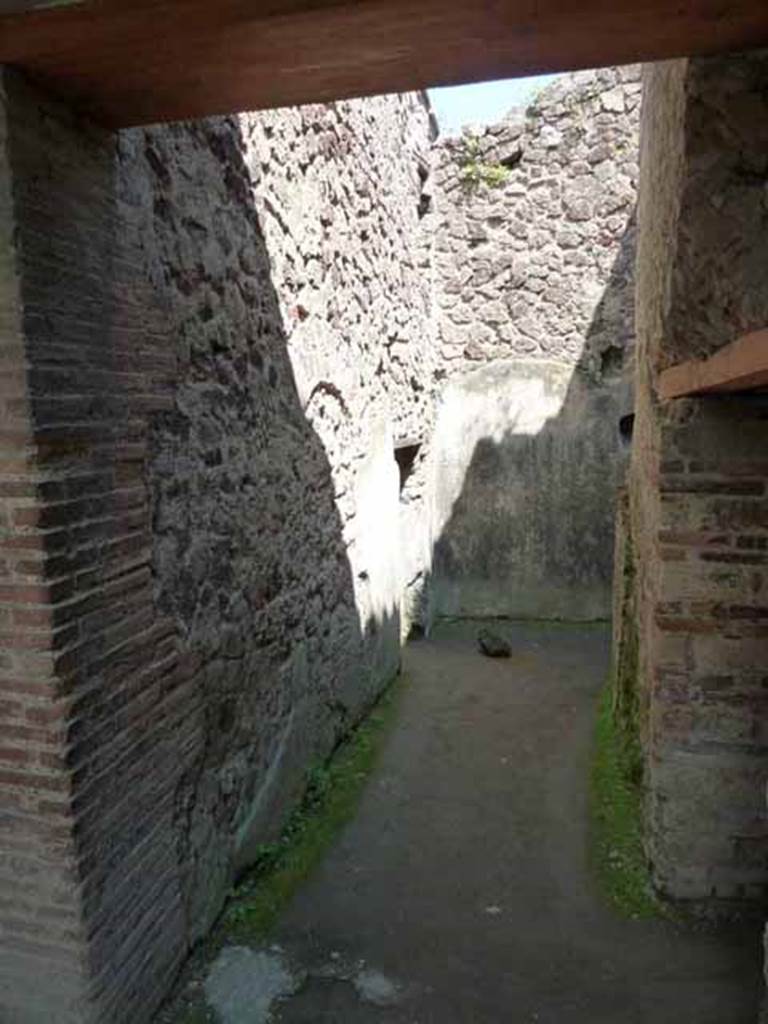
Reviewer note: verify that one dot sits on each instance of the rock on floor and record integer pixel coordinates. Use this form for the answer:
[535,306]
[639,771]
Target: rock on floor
[493,645]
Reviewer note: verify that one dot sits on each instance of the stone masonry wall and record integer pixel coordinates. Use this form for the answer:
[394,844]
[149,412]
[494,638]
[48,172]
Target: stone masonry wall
[302,312]
[342,199]
[195,610]
[699,513]
[535,238]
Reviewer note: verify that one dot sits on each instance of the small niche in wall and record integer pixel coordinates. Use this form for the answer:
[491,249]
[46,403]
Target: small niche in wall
[612,361]
[511,160]
[405,457]
[626,429]
[425,197]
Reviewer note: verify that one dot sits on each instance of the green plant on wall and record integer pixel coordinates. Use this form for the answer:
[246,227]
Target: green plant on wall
[330,799]
[625,698]
[618,853]
[474,171]
[617,850]
[332,790]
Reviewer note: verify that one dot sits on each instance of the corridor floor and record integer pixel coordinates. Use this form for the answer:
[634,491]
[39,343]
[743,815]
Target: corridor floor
[461,892]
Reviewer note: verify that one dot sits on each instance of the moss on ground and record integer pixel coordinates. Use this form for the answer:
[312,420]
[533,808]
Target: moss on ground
[617,816]
[330,801]
[626,704]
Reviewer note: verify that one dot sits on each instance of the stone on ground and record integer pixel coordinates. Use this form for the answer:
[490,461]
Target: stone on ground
[492,645]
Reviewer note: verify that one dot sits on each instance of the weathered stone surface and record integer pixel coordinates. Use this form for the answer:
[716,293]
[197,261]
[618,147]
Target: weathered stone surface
[523,489]
[576,184]
[534,282]
[300,308]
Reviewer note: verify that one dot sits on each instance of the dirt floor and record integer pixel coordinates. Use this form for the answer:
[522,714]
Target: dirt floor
[462,892]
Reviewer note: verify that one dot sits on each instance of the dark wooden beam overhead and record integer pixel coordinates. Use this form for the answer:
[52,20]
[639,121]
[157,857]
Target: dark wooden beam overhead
[740,366]
[156,60]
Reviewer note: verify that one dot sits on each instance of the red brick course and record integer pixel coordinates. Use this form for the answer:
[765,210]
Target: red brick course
[91,688]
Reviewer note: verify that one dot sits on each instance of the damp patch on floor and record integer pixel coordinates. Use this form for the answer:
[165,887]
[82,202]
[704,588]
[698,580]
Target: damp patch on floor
[374,987]
[264,986]
[243,985]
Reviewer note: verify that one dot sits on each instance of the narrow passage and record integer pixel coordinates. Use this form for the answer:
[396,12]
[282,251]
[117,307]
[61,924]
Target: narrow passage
[462,893]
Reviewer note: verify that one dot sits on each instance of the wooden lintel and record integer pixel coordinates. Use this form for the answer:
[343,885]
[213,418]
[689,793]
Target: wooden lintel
[128,63]
[740,366]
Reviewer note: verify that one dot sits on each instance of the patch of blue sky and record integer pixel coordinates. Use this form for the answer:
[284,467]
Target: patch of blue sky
[483,103]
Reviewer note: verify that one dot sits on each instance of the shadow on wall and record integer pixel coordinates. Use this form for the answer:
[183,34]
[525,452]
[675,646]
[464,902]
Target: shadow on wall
[250,550]
[215,643]
[528,461]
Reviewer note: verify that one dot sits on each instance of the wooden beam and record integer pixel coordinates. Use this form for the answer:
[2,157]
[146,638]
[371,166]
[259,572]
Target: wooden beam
[156,60]
[740,366]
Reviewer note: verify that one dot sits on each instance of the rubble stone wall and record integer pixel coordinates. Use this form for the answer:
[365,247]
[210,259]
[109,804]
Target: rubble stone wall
[300,303]
[535,241]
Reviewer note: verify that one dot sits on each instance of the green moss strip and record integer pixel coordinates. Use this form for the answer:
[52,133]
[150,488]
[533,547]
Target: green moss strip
[330,801]
[617,844]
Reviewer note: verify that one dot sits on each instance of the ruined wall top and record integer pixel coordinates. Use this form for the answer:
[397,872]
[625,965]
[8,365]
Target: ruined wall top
[534,219]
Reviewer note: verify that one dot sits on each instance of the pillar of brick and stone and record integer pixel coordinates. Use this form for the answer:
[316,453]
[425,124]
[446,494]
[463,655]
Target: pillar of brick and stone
[699,488]
[42,937]
[91,915]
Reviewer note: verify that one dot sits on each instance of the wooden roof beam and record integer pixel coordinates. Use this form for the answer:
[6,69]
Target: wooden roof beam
[158,60]
[740,366]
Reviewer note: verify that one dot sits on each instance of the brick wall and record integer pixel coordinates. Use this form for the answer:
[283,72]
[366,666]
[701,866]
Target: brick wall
[97,367]
[707,725]
[42,932]
[698,490]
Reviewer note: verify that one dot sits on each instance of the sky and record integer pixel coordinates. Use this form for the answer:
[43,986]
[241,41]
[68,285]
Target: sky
[483,103]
